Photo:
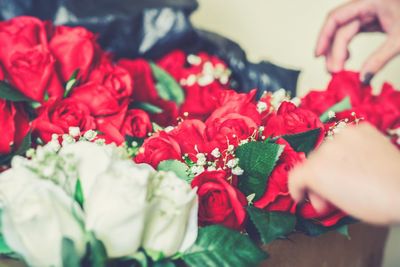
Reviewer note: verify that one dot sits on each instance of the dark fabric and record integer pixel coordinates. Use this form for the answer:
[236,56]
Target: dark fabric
[152,28]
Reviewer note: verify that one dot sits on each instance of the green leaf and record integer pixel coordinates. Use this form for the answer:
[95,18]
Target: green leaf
[4,248]
[70,257]
[175,166]
[343,105]
[167,87]
[71,83]
[303,142]
[8,92]
[217,246]
[21,150]
[344,230]
[97,251]
[148,107]
[258,160]
[78,196]
[314,228]
[271,225]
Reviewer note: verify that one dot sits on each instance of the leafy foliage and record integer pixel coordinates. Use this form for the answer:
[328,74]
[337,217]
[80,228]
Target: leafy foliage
[271,224]
[167,87]
[8,92]
[217,246]
[258,160]
[303,142]
[175,166]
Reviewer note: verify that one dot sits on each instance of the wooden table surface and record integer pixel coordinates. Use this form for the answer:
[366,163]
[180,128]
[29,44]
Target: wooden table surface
[364,249]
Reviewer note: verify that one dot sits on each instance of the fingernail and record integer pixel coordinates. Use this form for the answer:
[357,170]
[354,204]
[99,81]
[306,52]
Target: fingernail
[366,78]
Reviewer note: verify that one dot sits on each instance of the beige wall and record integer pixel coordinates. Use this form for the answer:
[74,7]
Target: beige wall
[285,31]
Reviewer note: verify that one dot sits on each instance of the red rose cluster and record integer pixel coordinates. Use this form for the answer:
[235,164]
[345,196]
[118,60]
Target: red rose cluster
[207,144]
[41,61]
[53,78]
[381,109]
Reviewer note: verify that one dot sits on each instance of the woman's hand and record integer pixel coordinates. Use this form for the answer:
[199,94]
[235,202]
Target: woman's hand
[354,17]
[358,171]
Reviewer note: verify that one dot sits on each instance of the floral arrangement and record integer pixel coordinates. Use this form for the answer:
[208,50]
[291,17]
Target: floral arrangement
[138,163]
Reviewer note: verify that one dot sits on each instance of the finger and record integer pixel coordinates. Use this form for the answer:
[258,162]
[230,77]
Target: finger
[338,52]
[336,19]
[297,183]
[319,204]
[386,52]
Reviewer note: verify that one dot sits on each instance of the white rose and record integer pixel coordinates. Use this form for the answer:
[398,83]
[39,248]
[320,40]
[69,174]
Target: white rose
[115,209]
[36,216]
[90,160]
[171,223]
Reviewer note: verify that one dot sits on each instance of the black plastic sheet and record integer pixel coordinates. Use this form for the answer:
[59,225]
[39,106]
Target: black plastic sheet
[152,28]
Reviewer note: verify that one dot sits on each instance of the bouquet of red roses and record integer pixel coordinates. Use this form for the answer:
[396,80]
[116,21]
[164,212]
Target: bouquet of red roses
[178,116]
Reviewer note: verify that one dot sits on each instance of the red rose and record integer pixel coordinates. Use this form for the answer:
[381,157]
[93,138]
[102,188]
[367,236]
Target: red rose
[190,135]
[200,102]
[142,76]
[161,146]
[57,116]
[169,114]
[31,71]
[233,102]
[114,77]
[219,202]
[174,63]
[28,64]
[276,196]
[21,33]
[137,124]
[74,48]
[1,73]
[343,84]
[329,218]
[101,100]
[319,101]
[230,129]
[14,123]
[290,119]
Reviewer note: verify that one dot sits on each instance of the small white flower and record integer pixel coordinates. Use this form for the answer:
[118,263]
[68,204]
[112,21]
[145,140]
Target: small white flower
[54,145]
[205,80]
[250,198]
[194,60]
[201,159]
[242,142]
[196,170]
[191,80]
[216,153]
[232,163]
[74,131]
[261,107]
[224,79]
[331,114]
[168,129]
[134,144]
[231,148]
[90,135]
[237,171]
[54,136]
[208,68]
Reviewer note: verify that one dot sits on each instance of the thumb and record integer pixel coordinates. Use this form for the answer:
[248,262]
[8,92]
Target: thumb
[386,52]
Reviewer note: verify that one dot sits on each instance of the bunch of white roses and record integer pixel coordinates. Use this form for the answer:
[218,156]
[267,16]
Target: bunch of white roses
[85,188]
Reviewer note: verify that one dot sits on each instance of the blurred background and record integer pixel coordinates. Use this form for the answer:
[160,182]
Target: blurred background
[285,33]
